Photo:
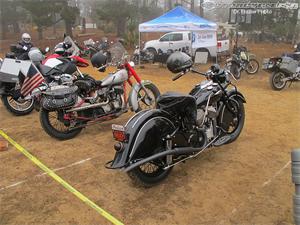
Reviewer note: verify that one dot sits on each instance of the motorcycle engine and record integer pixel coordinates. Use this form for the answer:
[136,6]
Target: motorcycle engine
[200,116]
[114,97]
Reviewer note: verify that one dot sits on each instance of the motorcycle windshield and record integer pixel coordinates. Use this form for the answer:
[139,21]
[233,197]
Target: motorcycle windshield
[74,48]
[117,51]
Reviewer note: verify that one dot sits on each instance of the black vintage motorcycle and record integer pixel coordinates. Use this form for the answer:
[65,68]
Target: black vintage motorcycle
[242,60]
[181,127]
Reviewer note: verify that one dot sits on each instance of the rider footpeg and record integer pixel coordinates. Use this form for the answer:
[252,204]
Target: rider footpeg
[222,140]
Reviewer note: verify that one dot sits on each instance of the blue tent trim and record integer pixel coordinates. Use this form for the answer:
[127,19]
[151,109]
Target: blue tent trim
[177,19]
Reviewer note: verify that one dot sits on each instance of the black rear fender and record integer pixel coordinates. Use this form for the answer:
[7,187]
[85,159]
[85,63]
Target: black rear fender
[145,131]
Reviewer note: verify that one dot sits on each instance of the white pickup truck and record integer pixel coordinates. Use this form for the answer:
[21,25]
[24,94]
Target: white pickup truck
[179,40]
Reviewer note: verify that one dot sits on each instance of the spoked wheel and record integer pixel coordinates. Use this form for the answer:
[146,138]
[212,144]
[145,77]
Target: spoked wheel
[147,99]
[234,68]
[252,66]
[150,52]
[232,119]
[277,81]
[149,173]
[55,125]
[18,107]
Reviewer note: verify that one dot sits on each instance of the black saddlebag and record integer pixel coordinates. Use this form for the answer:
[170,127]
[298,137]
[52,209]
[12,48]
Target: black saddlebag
[178,105]
[59,97]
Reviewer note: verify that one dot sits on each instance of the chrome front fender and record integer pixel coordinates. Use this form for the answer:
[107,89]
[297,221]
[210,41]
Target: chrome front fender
[133,95]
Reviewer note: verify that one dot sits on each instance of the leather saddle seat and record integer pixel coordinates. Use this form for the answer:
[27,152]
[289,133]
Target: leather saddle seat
[178,104]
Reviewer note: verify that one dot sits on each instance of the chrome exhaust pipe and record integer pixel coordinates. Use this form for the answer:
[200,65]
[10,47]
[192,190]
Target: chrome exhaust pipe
[174,151]
[87,107]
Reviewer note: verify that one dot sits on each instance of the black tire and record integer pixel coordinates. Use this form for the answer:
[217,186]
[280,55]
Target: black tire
[155,93]
[252,67]
[234,68]
[52,131]
[8,100]
[237,105]
[145,179]
[275,80]
[152,53]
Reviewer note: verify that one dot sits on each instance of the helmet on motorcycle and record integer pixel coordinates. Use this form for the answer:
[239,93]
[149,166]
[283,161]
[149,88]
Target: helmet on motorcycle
[35,55]
[26,38]
[179,62]
[99,60]
[59,48]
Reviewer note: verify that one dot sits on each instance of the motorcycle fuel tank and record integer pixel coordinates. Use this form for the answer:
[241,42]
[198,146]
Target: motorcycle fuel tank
[115,78]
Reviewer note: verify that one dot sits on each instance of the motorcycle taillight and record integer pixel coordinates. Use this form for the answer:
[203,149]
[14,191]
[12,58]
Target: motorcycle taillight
[119,133]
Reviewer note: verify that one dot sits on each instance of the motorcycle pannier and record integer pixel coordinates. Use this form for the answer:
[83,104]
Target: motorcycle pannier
[288,65]
[59,97]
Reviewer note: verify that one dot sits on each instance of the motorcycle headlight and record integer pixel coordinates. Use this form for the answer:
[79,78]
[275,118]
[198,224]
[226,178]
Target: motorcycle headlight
[131,64]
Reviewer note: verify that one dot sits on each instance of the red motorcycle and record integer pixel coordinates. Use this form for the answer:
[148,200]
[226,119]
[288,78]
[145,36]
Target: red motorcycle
[65,110]
[66,49]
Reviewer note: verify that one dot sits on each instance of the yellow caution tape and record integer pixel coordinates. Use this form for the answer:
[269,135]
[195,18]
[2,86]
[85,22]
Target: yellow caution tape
[61,181]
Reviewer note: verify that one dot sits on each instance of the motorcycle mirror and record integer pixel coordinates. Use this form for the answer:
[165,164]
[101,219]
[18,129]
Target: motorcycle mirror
[47,49]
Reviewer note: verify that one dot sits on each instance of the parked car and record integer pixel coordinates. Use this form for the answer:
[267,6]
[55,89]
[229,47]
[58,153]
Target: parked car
[176,41]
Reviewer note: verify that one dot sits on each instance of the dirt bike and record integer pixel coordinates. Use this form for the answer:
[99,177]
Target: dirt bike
[181,127]
[242,60]
[283,70]
[65,111]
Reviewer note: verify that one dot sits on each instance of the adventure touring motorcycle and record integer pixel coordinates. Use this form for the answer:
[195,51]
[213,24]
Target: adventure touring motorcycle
[283,69]
[18,78]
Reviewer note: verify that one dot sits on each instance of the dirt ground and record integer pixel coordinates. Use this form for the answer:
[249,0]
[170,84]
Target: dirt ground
[246,182]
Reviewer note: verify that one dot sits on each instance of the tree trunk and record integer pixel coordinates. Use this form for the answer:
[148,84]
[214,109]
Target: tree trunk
[68,26]
[294,30]
[201,9]
[145,3]
[121,27]
[192,5]
[3,28]
[40,33]
[16,27]
[83,26]
[54,23]
[169,4]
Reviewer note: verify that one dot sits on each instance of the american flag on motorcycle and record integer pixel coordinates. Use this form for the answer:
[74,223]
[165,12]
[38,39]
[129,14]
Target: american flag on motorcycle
[32,80]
